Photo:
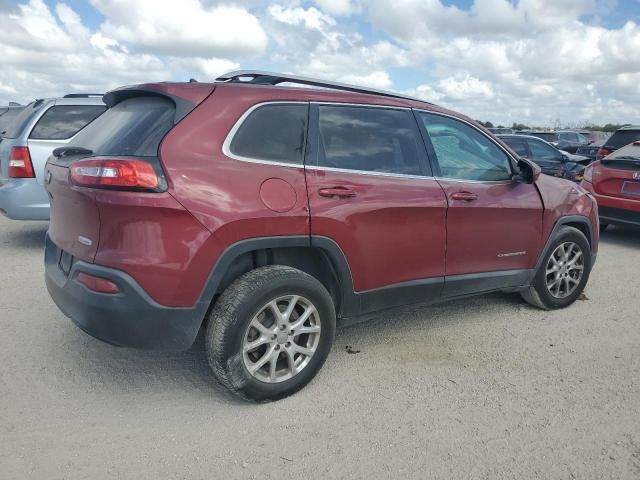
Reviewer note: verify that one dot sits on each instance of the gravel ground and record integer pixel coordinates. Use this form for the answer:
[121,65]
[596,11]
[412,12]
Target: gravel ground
[481,388]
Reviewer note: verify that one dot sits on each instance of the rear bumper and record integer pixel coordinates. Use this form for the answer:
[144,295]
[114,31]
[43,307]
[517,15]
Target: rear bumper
[24,199]
[129,318]
[615,210]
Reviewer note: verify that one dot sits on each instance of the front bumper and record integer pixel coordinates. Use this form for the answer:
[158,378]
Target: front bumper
[24,199]
[129,318]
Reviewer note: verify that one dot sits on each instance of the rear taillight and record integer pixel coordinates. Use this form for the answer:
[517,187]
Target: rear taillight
[603,152]
[20,165]
[118,173]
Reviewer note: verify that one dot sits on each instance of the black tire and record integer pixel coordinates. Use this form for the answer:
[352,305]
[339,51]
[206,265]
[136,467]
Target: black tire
[603,227]
[538,293]
[234,310]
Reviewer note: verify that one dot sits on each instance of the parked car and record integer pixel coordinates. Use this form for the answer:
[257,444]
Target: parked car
[615,183]
[594,136]
[552,161]
[496,130]
[590,151]
[29,139]
[621,137]
[274,212]
[562,140]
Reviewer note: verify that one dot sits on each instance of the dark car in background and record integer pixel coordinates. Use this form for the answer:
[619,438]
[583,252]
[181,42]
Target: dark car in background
[551,160]
[594,136]
[621,137]
[591,150]
[562,140]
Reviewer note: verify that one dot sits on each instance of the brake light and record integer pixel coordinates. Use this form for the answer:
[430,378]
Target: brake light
[20,165]
[603,152]
[121,173]
[97,284]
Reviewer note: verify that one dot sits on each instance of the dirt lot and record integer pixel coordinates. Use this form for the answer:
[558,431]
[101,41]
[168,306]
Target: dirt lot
[480,388]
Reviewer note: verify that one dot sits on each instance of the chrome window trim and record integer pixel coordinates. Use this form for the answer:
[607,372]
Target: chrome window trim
[226,145]
[370,173]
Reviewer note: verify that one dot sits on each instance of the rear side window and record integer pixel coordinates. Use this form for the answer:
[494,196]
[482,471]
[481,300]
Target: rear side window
[369,139]
[135,127]
[273,132]
[463,152]
[623,137]
[7,119]
[64,121]
[16,125]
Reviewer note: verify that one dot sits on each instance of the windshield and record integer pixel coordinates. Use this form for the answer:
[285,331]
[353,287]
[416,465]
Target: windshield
[134,126]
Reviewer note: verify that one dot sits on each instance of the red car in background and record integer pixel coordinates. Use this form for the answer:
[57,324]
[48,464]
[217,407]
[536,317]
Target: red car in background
[614,181]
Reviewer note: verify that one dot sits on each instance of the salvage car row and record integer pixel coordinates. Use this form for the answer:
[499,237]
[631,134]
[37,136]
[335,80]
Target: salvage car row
[271,214]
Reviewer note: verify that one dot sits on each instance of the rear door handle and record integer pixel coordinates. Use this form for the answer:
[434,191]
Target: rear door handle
[464,196]
[337,192]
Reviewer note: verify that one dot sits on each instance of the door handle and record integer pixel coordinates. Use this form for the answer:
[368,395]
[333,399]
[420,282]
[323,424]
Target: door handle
[464,196]
[337,192]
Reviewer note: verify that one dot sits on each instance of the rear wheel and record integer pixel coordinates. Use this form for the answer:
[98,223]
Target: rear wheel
[270,332]
[563,273]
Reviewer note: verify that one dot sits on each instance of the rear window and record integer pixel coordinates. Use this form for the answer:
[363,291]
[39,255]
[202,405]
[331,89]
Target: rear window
[273,132]
[135,127]
[64,121]
[623,137]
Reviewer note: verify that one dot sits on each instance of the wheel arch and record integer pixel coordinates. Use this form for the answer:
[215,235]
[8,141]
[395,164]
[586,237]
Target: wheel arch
[319,257]
[581,223]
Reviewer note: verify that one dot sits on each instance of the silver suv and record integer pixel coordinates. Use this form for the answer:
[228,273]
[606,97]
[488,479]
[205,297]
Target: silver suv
[27,142]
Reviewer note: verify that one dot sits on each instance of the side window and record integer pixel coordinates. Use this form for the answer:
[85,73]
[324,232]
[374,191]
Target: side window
[64,121]
[518,145]
[582,139]
[463,152]
[274,132]
[369,139]
[542,151]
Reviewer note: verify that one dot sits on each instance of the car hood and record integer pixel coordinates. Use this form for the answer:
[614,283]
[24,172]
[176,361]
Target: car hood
[576,158]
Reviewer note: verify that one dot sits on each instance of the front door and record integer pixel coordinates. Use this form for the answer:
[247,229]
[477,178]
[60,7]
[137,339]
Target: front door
[494,223]
[370,192]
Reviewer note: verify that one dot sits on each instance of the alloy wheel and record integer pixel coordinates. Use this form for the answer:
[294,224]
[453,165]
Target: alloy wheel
[565,269]
[281,339]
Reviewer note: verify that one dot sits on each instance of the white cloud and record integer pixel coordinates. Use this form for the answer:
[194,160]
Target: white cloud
[338,7]
[186,28]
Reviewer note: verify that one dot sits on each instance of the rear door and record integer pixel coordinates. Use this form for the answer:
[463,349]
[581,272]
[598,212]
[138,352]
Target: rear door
[371,192]
[55,128]
[494,223]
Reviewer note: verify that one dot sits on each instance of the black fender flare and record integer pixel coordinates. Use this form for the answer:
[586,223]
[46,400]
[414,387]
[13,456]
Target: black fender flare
[560,223]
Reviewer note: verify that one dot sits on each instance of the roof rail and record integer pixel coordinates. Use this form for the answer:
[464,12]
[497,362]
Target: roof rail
[257,77]
[82,95]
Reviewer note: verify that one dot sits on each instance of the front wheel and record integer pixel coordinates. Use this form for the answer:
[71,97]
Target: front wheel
[563,273]
[270,332]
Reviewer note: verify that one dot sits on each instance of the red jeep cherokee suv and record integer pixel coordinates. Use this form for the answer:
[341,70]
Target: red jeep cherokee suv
[272,212]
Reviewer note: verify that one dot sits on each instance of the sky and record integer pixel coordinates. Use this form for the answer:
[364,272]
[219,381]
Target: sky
[538,62]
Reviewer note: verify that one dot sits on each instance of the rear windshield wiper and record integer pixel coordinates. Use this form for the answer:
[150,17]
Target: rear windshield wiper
[64,151]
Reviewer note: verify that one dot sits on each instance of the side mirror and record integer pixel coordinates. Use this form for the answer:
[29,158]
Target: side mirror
[530,172]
